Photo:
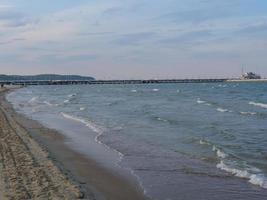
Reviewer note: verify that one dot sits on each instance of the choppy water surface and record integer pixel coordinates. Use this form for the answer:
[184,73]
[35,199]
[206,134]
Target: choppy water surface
[180,141]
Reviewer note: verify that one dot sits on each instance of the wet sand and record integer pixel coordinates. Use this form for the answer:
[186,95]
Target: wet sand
[37,164]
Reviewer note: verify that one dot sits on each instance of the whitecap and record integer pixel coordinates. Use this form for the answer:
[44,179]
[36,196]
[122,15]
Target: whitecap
[222,110]
[72,95]
[66,101]
[219,153]
[133,90]
[200,101]
[255,179]
[248,113]
[160,119]
[204,142]
[155,90]
[47,103]
[262,105]
[82,108]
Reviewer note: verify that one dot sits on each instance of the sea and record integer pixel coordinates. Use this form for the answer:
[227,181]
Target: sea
[176,141]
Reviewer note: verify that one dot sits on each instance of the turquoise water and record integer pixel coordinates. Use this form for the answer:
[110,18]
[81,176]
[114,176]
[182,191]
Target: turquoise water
[179,141]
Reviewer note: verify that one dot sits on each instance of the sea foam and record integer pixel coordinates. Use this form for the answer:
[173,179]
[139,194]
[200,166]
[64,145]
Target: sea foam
[219,153]
[248,113]
[262,105]
[200,101]
[222,110]
[72,95]
[94,128]
[87,123]
[255,179]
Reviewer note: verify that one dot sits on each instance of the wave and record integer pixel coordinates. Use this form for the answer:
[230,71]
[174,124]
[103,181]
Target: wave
[222,110]
[255,179]
[87,123]
[49,104]
[200,101]
[262,105]
[253,174]
[204,142]
[72,95]
[94,128]
[160,119]
[248,113]
[219,153]
[33,99]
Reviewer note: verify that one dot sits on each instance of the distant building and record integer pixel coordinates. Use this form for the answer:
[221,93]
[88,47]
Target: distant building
[250,75]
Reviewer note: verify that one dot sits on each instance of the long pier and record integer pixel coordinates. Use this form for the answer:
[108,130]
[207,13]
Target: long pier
[94,82]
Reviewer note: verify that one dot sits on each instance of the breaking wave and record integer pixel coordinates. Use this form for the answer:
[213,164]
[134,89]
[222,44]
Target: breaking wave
[252,174]
[33,99]
[222,110]
[200,101]
[255,179]
[93,127]
[262,105]
[248,113]
[72,95]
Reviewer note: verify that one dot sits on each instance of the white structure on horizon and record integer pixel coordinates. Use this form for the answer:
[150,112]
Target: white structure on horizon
[250,75]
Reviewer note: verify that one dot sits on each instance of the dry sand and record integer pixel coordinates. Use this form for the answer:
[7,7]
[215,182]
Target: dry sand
[26,172]
[35,163]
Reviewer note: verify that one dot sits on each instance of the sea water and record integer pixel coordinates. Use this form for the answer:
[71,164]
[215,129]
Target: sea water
[178,141]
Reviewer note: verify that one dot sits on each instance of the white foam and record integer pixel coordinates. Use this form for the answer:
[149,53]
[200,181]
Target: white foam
[50,104]
[262,105]
[200,101]
[93,127]
[66,101]
[82,108]
[72,95]
[248,113]
[204,142]
[155,90]
[219,153]
[33,99]
[133,90]
[163,120]
[222,110]
[255,179]
[87,123]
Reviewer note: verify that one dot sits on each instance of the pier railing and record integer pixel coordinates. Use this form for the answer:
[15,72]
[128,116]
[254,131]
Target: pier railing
[92,82]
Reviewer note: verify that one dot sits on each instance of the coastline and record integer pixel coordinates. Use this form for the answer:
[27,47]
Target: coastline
[89,179]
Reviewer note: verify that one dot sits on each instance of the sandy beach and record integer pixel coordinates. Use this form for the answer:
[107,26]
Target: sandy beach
[37,164]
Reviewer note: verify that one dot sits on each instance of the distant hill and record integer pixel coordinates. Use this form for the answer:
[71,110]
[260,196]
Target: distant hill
[45,77]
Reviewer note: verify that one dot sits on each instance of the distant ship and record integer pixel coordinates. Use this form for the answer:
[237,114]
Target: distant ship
[250,75]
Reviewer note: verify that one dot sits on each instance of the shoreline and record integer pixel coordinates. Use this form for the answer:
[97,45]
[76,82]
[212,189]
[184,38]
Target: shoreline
[95,181]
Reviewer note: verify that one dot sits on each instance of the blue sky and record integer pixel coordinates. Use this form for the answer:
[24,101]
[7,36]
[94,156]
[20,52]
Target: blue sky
[134,39]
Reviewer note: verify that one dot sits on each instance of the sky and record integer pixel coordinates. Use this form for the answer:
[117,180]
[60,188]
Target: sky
[131,39]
